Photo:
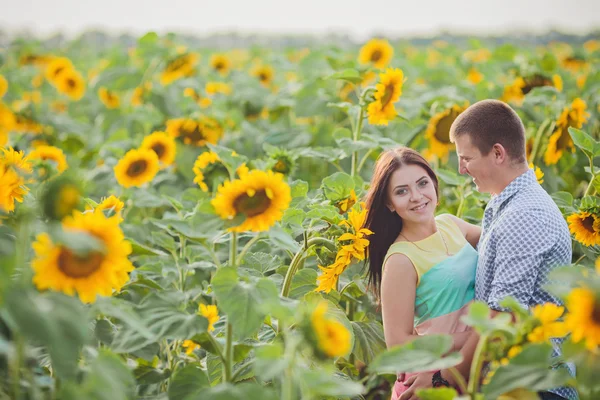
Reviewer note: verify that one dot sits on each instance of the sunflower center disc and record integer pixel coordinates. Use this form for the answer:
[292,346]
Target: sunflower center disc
[252,206]
[137,168]
[79,267]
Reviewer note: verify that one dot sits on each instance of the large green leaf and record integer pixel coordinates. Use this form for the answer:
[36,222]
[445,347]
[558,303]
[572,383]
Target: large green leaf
[270,362]
[479,318]
[324,383]
[188,383]
[369,340]
[246,391]
[243,301]
[304,281]
[106,379]
[262,262]
[584,141]
[337,186]
[424,353]
[56,321]
[528,370]
[437,394]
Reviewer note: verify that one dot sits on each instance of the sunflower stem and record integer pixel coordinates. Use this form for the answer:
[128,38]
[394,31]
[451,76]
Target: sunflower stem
[458,379]
[287,282]
[233,249]
[538,140]
[357,131]
[363,160]
[228,362]
[476,365]
[591,184]
[248,246]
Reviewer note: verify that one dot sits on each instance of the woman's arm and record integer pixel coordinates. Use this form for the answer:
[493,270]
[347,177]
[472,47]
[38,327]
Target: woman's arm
[470,231]
[398,288]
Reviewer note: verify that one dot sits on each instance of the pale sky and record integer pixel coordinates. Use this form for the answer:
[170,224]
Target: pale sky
[360,19]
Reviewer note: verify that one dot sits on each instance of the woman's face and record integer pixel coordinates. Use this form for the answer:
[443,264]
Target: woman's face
[411,194]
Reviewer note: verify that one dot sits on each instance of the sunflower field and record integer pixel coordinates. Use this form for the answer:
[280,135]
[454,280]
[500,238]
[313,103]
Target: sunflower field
[181,222]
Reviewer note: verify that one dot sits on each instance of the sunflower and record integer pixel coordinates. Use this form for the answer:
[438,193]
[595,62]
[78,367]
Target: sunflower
[210,313]
[575,64]
[557,82]
[60,198]
[3,86]
[583,319]
[217,87]
[220,63]
[50,153]
[438,131]
[112,204]
[574,116]
[11,188]
[513,93]
[109,98]
[377,52]
[261,197]
[201,168]
[585,226]
[347,203]
[56,67]
[98,272]
[25,124]
[474,76]
[35,59]
[264,73]
[282,161]
[163,145]
[190,346]
[333,338]
[547,323]
[539,175]
[71,83]
[180,67]
[199,133]
[136,168]
[387,92]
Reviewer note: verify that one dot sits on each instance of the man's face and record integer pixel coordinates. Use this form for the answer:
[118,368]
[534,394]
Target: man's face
[479,167]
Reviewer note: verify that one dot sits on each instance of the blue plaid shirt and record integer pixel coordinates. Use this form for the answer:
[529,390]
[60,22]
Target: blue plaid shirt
[524,236]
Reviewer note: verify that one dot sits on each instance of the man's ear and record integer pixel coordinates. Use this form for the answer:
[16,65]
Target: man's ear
[499,152]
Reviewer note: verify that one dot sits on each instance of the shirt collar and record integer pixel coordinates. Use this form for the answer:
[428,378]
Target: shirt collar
[520,182]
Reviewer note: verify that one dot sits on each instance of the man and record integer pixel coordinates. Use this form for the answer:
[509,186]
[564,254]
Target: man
[524,235]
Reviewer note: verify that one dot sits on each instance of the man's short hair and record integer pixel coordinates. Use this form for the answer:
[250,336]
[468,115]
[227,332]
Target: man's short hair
[488,122]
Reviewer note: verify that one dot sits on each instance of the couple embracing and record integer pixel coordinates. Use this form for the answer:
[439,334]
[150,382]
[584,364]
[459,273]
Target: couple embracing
[427,268]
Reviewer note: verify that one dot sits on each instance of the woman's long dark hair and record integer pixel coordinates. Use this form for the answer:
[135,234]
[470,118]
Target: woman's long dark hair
[386,225]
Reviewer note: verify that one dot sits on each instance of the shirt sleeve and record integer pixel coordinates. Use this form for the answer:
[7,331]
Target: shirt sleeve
[522,243]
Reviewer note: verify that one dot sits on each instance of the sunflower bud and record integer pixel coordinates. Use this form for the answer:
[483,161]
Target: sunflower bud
[60,198]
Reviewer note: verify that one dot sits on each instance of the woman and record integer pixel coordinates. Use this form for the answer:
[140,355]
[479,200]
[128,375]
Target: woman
[422,266]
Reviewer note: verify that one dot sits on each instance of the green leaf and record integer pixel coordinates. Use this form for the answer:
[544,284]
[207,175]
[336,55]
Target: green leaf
[299,188]
[147,374]
[107,378]
[120,78]
[437,394]
[304,281]
[479,318]
[262,262]
[350,75]
[327,213]
[244,302]
[450,177]
[322,383]
[564,201]
[528,370]
[584,141]
[293,216]
[421,354]
[164,240]
[270,361]
[246,391]
[337,186]
[54,320]
[369,340]
[188,382]
[282,240]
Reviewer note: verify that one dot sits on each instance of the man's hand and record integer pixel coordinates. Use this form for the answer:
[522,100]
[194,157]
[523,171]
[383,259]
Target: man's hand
[421,381]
